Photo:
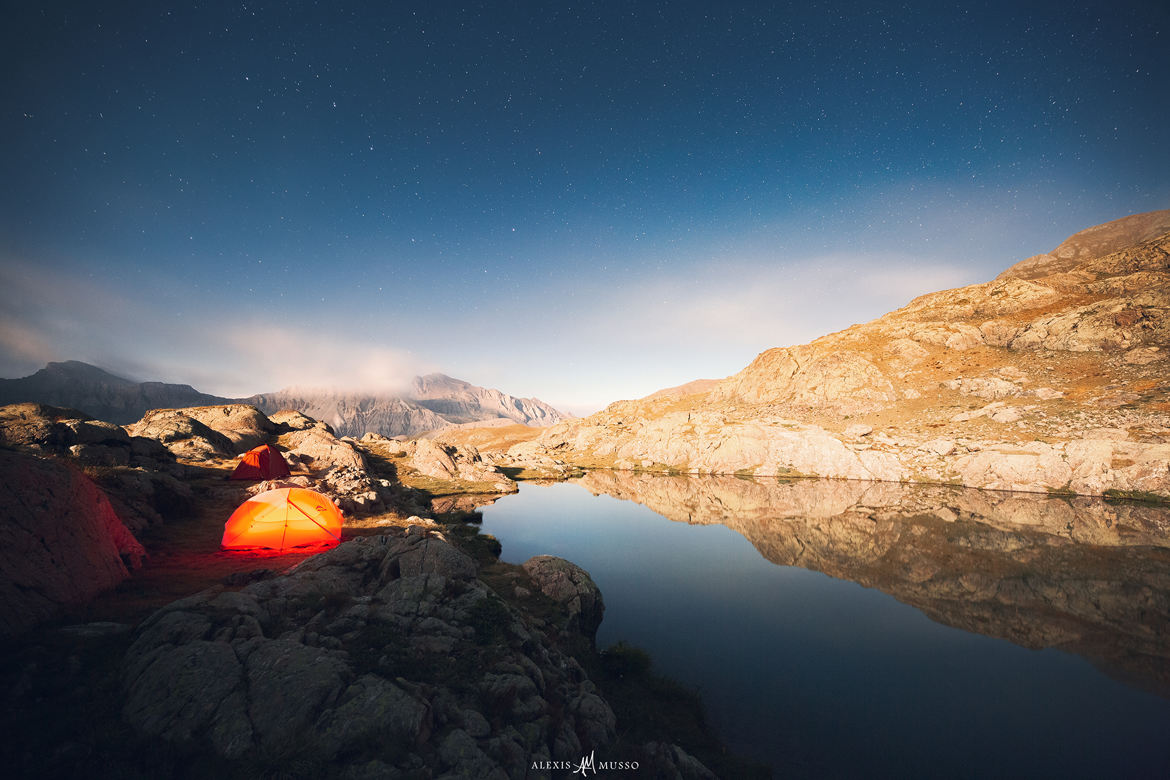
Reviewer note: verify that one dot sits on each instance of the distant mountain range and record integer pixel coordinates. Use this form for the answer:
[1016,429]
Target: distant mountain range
[433,401]
[96,392]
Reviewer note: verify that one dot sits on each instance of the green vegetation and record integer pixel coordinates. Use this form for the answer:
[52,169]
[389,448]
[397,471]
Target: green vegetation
[490,619]
[652,708]
[1139,496]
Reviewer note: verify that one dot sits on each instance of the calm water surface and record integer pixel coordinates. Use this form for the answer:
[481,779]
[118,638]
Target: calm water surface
[820,676]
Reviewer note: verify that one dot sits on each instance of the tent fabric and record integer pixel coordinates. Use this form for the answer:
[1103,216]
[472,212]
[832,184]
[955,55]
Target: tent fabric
[283,518]
[263,462]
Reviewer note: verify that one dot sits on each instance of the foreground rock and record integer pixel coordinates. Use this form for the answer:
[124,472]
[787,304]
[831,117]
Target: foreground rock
[61,543]
[1050,378]
[383,656]
[570,585]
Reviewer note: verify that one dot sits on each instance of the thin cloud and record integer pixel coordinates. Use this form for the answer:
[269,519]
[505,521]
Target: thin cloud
[765,305]
[47,314]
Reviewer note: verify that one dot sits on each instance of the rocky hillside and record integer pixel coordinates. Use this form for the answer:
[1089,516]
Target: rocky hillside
[1052,377]
[433,402]
[78,385]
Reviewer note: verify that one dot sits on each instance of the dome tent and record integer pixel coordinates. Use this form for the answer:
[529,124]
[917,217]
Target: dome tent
[263,462]
[283,518]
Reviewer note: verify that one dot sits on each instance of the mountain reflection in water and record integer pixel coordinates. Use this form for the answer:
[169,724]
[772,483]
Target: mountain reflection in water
[1077,574]
[852,629]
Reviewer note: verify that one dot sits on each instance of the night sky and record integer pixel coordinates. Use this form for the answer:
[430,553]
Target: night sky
[578,201]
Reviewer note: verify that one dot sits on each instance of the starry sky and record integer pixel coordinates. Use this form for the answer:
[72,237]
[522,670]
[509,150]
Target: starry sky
[576,201]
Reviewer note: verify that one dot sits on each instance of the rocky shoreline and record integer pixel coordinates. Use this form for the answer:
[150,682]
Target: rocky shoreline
[408,650]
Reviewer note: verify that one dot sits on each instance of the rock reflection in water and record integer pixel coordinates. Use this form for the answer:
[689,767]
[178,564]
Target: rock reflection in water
[1078,574]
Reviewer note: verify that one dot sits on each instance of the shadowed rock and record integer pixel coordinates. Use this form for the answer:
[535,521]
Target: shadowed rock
[61,543]
[385,651]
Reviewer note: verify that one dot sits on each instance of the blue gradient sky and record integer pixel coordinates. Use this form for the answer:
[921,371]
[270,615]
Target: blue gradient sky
[582,202]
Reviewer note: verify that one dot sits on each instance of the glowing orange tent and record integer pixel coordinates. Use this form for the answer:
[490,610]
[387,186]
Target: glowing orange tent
[263,462]
[283,518]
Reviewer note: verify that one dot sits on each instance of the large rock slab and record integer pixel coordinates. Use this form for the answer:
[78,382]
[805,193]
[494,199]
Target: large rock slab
[571,586]
[69,432]
[385,653]
[455,463]
[320,450]
[183,435]
[244,426]
[61,542]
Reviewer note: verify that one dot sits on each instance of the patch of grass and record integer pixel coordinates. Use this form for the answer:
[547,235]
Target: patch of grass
[1137,496]
[489,618]
[651,708]
[331,603]
[483,548]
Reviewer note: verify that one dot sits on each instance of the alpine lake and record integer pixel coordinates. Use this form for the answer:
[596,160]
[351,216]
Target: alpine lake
[851,629]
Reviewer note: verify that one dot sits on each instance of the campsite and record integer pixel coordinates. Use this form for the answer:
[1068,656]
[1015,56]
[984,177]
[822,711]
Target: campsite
[501,391]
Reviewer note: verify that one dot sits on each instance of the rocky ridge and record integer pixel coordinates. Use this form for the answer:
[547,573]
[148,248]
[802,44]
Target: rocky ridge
[462,402]
[431,402]
[103,395]
[1049,378]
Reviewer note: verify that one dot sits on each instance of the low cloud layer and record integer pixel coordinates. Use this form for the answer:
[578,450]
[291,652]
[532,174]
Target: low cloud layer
[705,319]
[47,315]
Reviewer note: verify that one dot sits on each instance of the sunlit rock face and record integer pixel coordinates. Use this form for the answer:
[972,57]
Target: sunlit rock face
[1052,377]
[61,542]
[1091,243]
[244,426]
[182,434]
[1080,574]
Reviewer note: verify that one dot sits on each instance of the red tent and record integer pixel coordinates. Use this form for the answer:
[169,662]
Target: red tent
[263,462]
